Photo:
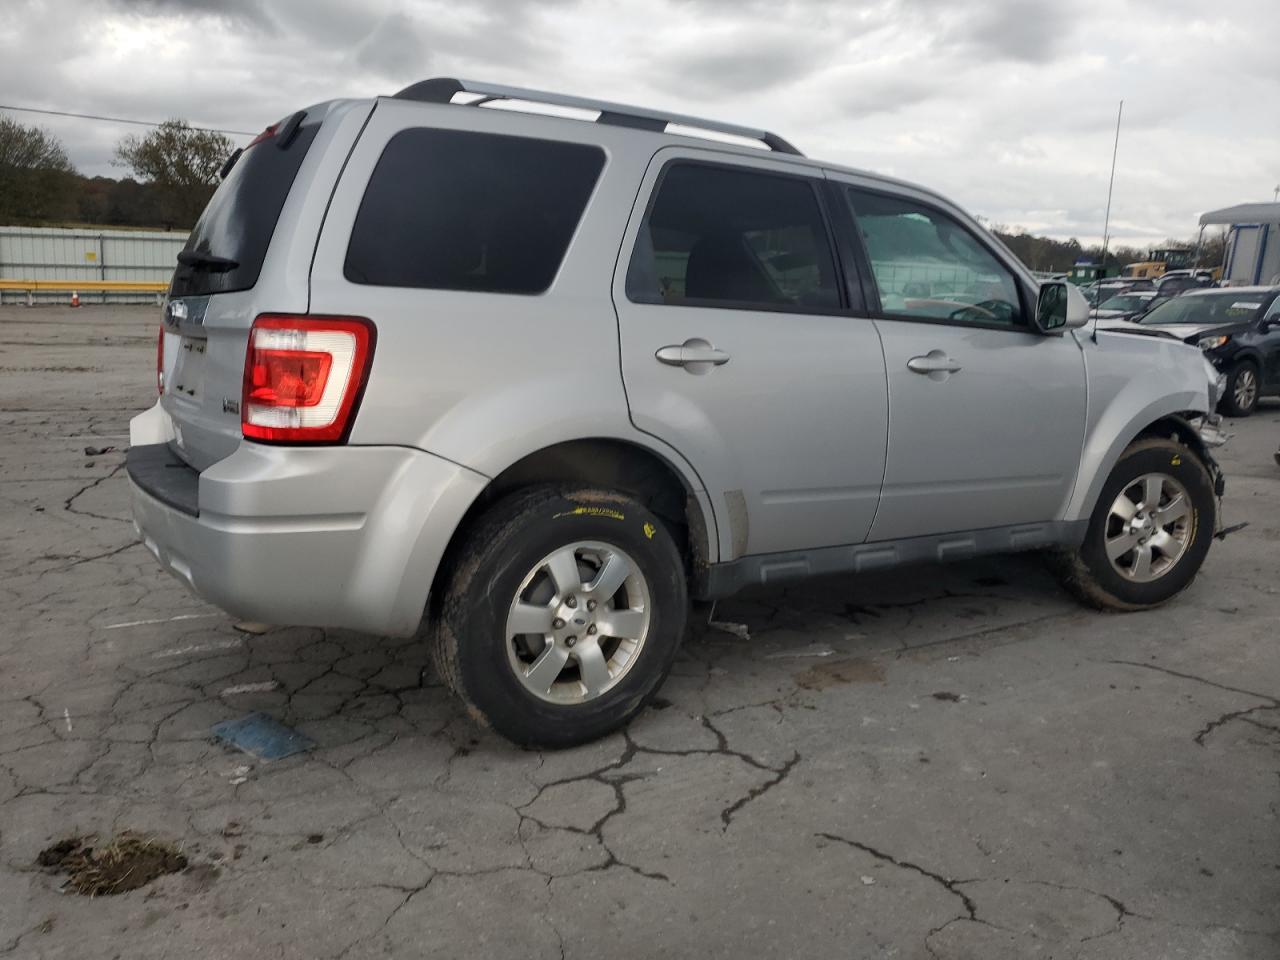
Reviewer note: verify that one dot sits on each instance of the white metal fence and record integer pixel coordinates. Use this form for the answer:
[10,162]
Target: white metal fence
[87,255]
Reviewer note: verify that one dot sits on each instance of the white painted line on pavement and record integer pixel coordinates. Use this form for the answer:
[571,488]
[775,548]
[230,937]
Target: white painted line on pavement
[199,648]
[143,623]
[250,688]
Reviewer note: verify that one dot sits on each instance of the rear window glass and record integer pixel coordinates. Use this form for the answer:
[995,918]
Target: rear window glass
[241,217]
[736,238]
[453,210]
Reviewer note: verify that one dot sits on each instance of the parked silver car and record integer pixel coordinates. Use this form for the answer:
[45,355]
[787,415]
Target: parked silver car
[530,384]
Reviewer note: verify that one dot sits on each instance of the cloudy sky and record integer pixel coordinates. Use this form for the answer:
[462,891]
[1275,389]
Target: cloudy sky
[1008,106]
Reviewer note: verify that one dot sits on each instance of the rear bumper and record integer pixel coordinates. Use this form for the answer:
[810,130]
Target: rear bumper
[311,536]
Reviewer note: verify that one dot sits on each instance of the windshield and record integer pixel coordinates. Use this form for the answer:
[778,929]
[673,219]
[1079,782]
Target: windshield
[1225,307]
[1125,301]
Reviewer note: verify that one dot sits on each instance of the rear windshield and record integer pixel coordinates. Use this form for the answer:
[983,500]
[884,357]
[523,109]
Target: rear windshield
[452,210]
[1225,307]
[1123,302]
[241,217]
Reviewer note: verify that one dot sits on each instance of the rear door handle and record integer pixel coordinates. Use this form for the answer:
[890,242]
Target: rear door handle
[695,355]
[933,362]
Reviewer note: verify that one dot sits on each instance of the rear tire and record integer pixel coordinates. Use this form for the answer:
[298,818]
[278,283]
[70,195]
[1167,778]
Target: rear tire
[1137,554]
[1240,398]
[598,582]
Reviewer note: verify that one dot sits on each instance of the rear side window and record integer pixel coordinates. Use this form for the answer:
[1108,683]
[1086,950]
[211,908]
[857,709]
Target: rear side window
[453,210]
[719,236]
[237,225]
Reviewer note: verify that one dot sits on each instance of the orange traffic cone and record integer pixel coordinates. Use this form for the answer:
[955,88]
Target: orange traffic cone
[75,299]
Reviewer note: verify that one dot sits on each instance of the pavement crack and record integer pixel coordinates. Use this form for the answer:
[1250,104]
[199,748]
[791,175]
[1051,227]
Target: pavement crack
[909,648]
[1272,703]
[948,884]
[68,503]
[726,815]
[617,784]
[1226,718]
[1193,677]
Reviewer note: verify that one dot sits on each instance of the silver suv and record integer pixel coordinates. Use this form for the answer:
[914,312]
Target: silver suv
[531,383]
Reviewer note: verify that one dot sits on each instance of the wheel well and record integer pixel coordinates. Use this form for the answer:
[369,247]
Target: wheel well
[613,465]
[1174,428]
[1179,428]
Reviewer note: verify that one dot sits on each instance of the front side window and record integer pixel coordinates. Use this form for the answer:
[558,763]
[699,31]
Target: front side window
[456,210]
[928,267]
[716,236]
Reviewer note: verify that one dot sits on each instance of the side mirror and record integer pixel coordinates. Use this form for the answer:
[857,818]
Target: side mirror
[1060,306]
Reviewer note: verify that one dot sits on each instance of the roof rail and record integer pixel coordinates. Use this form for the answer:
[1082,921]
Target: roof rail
[443,89]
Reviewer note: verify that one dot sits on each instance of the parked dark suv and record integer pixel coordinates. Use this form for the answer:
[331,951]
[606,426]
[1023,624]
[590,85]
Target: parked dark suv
[1238,328]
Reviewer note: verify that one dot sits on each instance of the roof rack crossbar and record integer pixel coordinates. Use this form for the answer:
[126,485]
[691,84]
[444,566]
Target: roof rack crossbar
[443,90]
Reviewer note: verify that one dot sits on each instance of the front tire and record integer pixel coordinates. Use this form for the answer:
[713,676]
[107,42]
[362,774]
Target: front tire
[1240,398]
[562,614]
[1150,530]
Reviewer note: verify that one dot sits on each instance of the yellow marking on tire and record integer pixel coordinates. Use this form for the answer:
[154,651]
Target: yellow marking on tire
[650,530]
[591,512]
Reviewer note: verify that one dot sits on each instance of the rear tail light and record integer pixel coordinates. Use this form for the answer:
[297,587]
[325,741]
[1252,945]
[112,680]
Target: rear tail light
[303,377]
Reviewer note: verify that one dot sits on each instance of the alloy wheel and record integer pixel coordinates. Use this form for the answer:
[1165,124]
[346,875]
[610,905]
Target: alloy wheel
[1246,388]
[578,622]
[1149,527]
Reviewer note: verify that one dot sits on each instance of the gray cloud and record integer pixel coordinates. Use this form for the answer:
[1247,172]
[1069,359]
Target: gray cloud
[244,12]
[394,49]
[735,66]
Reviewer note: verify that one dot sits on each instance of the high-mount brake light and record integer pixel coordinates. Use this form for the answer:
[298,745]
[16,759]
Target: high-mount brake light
[266,134]
[303,377]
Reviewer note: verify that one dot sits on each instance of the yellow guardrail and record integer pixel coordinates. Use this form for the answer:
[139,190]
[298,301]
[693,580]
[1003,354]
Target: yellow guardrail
[86,286]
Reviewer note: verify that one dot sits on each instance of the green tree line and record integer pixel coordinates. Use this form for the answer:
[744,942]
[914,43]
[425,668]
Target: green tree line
[1049,255]
[174,170]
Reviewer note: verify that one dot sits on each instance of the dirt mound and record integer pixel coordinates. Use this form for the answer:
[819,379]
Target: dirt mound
[126,862]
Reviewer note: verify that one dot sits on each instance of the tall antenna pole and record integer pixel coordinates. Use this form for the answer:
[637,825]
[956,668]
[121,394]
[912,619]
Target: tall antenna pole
[1106,223]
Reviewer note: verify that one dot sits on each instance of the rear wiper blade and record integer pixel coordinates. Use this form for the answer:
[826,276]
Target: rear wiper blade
[207,261]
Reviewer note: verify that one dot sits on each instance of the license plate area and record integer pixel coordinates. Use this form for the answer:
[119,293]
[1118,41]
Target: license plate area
[187,380]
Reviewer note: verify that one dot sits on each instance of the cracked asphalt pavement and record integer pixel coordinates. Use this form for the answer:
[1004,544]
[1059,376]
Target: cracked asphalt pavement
[942,762]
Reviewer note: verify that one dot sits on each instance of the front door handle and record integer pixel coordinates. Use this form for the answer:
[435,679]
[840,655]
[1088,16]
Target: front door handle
[935,364]
[695,355]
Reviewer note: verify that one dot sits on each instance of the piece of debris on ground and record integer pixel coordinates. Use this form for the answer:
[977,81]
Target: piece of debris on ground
[262,736]
[739,630]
